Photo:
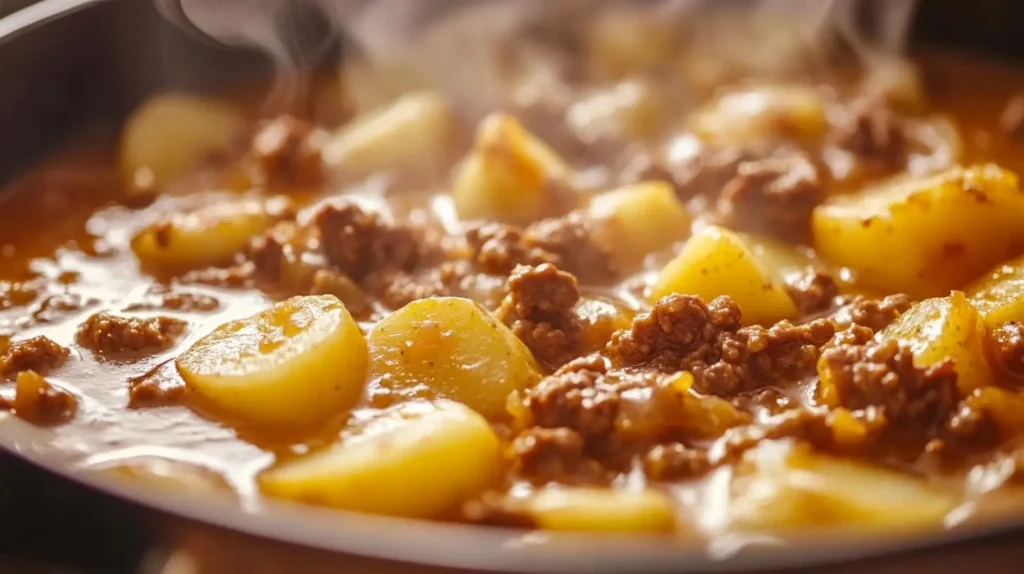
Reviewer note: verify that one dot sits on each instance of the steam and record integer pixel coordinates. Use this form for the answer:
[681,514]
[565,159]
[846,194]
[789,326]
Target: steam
[462,46]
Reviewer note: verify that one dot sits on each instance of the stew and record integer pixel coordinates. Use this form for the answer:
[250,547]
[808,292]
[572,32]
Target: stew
[760,308]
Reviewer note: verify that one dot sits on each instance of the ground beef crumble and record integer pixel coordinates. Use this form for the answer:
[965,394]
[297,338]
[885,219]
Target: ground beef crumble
[571,239]
[40,403]
[286,150]
[684,333]
[882,375]
[1008,347]
[105,333]
[875,314]
[498,248]
[814,291]
[359,242]
[773,196]
[540,310]
[874,133]
[160,386]
[39,354]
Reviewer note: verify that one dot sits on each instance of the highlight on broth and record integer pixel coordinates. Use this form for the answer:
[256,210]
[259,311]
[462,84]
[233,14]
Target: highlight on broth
[795,304]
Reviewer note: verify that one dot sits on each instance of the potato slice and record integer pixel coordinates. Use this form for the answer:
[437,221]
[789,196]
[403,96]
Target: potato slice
[209,235]
[450,348]
[924,236]
[716,262]
[417,461]
[780,486]
[765,112]
[509,176]
[999,294]
[639,219]
[171,133]
[782,260]
[413,129]
[298,362]
[581,509]
[946,328]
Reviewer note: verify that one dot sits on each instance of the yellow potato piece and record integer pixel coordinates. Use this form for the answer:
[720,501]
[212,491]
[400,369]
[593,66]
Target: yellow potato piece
[450,348]
[509,176]
[946,327]
[628,111]
[207,236]
[783,261]
[298,362]
[716,262]
[639,219]
[780,486]
[579,509]
[924,236]
[413,129]
[171,133]
[600,319]
[417,461]
[999,294]
[764,112]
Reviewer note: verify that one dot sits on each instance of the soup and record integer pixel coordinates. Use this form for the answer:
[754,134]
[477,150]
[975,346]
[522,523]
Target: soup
[764,307]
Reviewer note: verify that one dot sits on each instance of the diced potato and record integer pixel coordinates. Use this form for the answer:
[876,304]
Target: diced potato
[639,219]
[766,112]
[924,236]
[946,328]
[783,261]
[509,176]
[999,294]
[581,509]
[628,111]
[298,362]
[716,262]
[413,129]
[417,461]
[600,319]
[621,41]
[450,348]
[780,486]
[207,236]
[171,133]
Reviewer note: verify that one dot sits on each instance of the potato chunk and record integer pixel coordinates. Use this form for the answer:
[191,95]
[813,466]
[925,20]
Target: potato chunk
[298,362]
[946,328]
[999,294]
[626,112]
[924,236]
[581,509]
[510,175]
[207,236]
[766,112]
[171,133]
[716,262]
[450,348]
[416,461]
[413,129]
[780,486]
[639,219]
